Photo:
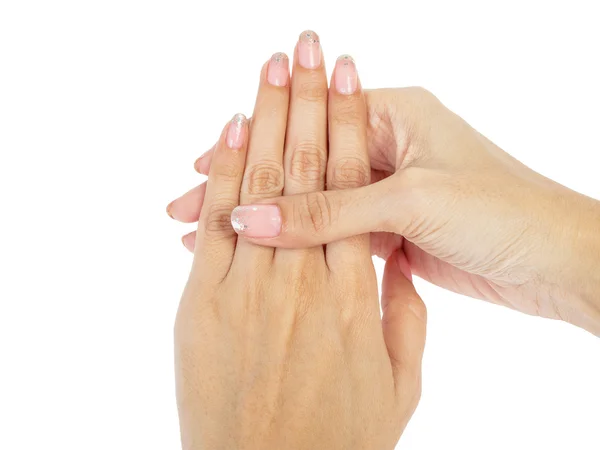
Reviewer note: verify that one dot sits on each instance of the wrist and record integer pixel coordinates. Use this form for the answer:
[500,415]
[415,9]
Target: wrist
[572,282]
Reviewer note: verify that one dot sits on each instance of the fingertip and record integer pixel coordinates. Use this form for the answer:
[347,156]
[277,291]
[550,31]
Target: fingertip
[345,76]
[189,241]
[200,167]
[202,164]
[276,71]
[237,132]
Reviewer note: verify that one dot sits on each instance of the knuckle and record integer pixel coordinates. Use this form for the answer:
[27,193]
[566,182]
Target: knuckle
[265,178]
[227,170]
[308,162]
[312,91]
[316,212]
[218,220]
[350,172]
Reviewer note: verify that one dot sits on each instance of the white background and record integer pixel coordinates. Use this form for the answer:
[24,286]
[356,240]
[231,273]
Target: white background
[104,105]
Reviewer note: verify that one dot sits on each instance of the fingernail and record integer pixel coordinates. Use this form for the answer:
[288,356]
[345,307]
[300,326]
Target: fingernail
[278,72]
[169,207]
[309,50]
[403,265]
[236,132]
[346,77]
[257,221]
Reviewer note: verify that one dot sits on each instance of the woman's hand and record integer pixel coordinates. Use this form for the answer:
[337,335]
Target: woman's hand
[282,348]
[474,219]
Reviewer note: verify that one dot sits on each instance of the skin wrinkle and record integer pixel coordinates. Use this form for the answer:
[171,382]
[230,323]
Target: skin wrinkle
[265,178]
[308,163]
[350,172]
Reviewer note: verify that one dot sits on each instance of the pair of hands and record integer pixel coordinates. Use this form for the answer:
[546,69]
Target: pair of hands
[286,348]
[469,217]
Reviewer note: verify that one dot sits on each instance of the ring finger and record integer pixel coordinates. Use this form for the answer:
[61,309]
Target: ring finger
[263,177]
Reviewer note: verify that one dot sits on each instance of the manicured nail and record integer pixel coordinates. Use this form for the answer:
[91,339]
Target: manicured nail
[346,77]
[236,132]
[278,72]
[257,221]
[403,265]
[309,50]
[169,207]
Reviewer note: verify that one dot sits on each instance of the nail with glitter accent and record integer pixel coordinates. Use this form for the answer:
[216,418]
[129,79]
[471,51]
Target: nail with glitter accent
[236,132]
[346,77]
[278,72]
[257,221]
[309,50]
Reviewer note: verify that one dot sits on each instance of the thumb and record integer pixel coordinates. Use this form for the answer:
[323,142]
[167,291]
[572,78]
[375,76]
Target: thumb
[404,326]
[316,218]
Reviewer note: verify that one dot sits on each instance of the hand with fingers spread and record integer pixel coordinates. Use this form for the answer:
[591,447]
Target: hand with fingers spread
[286,348]
[468,216]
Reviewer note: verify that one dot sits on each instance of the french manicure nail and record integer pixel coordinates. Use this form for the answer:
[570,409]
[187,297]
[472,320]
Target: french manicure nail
[346,77]
[257,221]
[309,50]
[278,72]
[236,132]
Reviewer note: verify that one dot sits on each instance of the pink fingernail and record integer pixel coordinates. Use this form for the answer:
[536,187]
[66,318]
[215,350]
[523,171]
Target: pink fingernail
[257,221]
[309,50]
[278,72]
[346,77]
[236,132]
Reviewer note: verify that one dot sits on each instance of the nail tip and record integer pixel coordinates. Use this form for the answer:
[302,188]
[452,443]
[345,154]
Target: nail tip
[238,226]
[345,57]
[239,118]
[279,57]
[309,36]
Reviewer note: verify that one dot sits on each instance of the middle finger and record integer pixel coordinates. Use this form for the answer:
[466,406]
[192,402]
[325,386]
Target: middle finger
[305,154]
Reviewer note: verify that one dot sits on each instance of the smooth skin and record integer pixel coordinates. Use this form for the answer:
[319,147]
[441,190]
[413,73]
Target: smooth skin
[286,348]
[469,217]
